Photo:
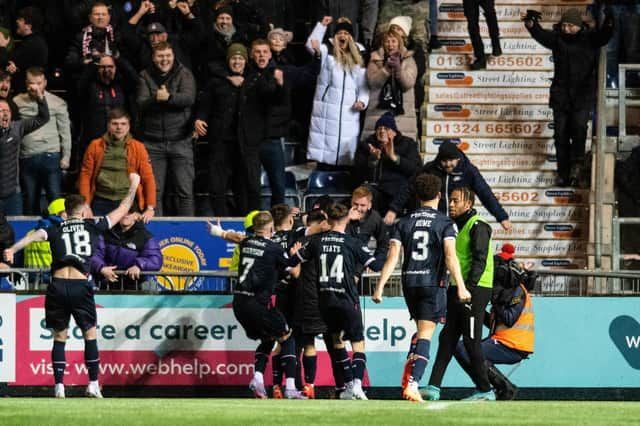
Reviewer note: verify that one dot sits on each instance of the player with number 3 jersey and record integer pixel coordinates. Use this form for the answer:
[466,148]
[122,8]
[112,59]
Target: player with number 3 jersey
[429,241]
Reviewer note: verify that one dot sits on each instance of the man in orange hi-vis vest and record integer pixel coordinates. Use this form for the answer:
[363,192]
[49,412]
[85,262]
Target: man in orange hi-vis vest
[511,322]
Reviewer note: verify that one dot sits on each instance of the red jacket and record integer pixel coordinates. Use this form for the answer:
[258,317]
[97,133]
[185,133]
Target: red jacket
[137,162]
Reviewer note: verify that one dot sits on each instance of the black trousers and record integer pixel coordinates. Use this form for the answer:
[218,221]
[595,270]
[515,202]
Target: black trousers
[472,13]
[464,320]
[570,136]
[229,166]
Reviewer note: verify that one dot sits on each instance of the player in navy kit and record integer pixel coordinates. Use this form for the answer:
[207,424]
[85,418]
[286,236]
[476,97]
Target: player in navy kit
[70,292]
[338,257]
[261,263]
[429,241]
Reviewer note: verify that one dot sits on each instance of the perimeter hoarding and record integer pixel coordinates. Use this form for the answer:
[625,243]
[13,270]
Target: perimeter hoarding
[195,340]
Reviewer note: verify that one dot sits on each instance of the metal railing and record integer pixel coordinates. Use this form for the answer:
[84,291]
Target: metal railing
[548,282]
[625,141]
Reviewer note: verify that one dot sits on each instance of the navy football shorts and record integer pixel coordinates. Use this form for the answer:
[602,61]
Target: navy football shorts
[341,315]
[260,321]
[426,303]
[67,297]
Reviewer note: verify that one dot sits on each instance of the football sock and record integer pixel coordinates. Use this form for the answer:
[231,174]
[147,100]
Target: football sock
[288,358]
[310,364]
[262,355]
[92,358]
[412,347]
[258,377]
[421,359]
[277,371]
[344,364]
[290,383]
[359,364]
[58,360]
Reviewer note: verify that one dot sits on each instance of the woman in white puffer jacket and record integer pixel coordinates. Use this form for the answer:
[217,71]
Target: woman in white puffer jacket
[341,94]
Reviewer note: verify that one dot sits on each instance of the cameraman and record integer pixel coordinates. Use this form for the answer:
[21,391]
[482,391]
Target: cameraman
[511,322]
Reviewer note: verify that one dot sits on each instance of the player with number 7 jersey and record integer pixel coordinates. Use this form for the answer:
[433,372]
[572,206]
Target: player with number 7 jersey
[337,256]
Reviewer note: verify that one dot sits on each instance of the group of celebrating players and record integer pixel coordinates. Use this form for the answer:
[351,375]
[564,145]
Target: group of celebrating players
[313,272]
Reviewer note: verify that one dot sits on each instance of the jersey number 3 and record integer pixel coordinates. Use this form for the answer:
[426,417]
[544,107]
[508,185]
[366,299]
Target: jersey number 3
[78,243]
[421,251]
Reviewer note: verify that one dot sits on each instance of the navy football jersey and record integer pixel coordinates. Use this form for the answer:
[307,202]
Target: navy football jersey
[422,234]
[261,262]
[73,242]
[338,257]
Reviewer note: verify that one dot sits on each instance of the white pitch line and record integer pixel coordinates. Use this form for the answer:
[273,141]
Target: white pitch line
[437,405]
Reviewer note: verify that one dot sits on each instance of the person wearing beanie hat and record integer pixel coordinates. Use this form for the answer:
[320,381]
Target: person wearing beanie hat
[573,88]
[455,171]
[385,161]
[341,94]
[278,39]
[507,251]
[404,22]
[572,16]
[237,49]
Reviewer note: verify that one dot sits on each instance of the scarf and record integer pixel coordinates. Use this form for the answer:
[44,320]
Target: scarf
[87,38]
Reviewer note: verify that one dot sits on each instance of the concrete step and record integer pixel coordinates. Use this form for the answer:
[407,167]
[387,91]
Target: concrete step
[541,231]
[452,10]
[448,29]
[526,79]
[511,62]
[542,214]
[494,95]
[509,45]
[492,129]
[489,112]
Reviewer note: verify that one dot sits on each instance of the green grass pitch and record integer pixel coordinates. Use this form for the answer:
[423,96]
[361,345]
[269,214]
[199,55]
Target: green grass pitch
[178,412]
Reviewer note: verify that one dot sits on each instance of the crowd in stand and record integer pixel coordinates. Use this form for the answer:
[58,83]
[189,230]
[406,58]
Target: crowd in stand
[343,78]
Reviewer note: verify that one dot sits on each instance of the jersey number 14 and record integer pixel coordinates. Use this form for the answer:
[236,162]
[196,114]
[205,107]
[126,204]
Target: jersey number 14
[335,271]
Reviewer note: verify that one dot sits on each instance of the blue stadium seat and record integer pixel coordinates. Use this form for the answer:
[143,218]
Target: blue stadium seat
[291,196]
[337,185]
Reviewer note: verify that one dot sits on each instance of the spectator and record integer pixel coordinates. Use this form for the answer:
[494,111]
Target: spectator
[11,134]
[402,26]
[573,89]
[182,43]
[385,161]
[362,14]
[624,46]
[472,13]
[218,41]
[5,93]
[7,234]
[418,12]
[456,171]
[234,107]
[32,51]
[6,46]
[103,86]
[279,39]
[341,94]
[45,152]
[278,128]
[107,164]
[128,246]
[511,325]
[627,177]
[166,94]
[95,40]
[366,224]
[248,17]
[391,75]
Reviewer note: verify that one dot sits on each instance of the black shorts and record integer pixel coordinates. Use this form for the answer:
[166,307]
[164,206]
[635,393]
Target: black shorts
[426,303]
[66,297]
[260,321]
[341,315]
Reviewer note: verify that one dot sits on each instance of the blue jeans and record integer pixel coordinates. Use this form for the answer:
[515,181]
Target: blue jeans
[272,159]
[11,205]
[37,172]
[102,207]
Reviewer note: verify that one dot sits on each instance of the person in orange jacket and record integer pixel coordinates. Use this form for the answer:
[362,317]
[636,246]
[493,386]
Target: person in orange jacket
[511,322]
[103,176]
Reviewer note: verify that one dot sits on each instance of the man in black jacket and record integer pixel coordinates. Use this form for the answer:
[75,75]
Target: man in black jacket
[455,170]
[573,90]
[32,51]
[232,112]
[11,133]
[386,161]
